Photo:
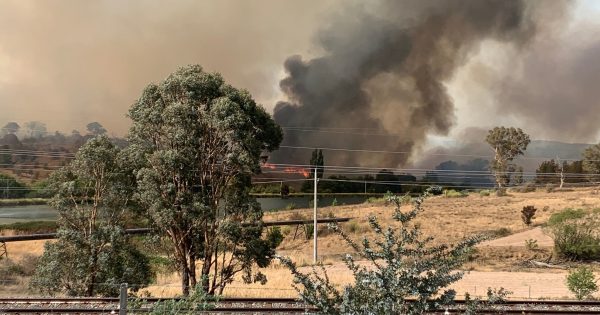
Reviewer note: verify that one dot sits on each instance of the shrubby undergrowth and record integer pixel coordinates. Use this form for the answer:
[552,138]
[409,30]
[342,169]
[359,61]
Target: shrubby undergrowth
[405,271]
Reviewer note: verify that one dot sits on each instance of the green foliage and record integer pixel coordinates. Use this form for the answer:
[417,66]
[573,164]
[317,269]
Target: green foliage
[507,143]
[527,214]
[528,187]
[451,193]
[95,129]
[334,202]
[531,244]
[195,144]
[582,282]
[275,236]
[566,214]
[484,192]
[576,235]
[291,206]
[196,302]
[30,227]
[376,200]
[92,255]
[10,128]
[309,231]
[591,161]
[403,264]
[500,232]
[11,188]
[494,296]
[519,175]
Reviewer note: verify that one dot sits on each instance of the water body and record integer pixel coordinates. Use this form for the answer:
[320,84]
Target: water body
[12,214]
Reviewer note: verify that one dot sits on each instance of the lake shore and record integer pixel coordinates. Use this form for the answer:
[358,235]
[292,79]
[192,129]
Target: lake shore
[23,202]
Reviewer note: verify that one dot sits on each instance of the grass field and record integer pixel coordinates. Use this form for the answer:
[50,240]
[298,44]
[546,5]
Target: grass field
[499,262]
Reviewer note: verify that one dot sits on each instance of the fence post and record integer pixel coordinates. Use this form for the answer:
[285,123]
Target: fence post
[123,299]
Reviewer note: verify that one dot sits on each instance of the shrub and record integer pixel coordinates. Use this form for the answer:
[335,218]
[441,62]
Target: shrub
[436,190]
[582,282]
[290,206]
[451,193]
[576,234]
[374,200]
[527,214]
[531,244]
[566,214]
[484,193]
[501,232]
[501,192]
[528,187]
[405,266]
[550,188]
[32,227]
[334,202]
[309,230]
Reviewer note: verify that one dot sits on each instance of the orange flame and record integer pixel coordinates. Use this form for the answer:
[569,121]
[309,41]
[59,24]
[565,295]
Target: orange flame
[297,170]
[289,170]
[269,166]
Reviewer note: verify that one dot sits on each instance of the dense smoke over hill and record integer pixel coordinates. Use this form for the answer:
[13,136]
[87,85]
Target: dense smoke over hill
[378,75]
[384,71]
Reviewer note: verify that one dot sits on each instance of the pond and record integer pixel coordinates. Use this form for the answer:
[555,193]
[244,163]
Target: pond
[12,214]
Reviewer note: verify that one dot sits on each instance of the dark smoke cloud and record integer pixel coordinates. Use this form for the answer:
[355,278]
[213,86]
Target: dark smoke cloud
[553,87]
[384,69]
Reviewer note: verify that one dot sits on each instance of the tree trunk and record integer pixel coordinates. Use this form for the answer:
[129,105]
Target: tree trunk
[205,274]
[192,267]
[185,279]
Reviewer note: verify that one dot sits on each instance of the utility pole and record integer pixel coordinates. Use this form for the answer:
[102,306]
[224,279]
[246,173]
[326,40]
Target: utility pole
[315,217]
[562,172]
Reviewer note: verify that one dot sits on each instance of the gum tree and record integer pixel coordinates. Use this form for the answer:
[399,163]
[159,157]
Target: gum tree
[92,255]
[507,143]
[197,141]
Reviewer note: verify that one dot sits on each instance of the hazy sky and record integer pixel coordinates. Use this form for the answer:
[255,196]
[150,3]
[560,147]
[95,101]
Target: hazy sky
[70,62]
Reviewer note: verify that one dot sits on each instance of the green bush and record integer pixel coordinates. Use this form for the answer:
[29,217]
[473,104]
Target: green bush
[451,193]
[375,200]
[32,227]
[576,234]
[528,187]
[484,193]
[290,206]
[531,244]
[501,232]
[576,240]
[582,282]
[407,272]
[334,202]
[566,214]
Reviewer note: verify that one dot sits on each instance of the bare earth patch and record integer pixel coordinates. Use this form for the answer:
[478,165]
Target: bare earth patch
[518,239]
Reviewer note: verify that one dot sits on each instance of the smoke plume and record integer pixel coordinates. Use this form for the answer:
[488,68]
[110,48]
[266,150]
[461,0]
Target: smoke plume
[71,62]
[381,78]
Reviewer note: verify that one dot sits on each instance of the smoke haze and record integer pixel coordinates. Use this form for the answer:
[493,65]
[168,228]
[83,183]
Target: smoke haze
[70,62]
[376,75]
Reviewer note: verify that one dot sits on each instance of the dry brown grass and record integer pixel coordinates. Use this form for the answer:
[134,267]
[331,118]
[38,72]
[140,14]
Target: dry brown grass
[446,219]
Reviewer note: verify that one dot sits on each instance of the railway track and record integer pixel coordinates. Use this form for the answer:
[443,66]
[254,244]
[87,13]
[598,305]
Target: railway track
[269,306]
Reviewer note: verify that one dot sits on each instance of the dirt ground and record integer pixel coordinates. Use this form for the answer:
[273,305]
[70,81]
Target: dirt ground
[500,262]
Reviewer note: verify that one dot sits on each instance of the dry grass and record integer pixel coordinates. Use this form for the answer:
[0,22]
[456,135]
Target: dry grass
[501,263]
